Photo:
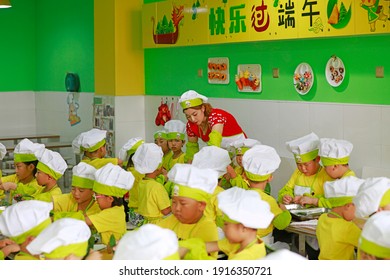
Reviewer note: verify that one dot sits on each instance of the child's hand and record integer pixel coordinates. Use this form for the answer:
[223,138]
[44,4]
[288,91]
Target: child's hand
[9,186]
[308,200]
[287,199]
[231,172]
[12,248]
[297,199]
[6,242]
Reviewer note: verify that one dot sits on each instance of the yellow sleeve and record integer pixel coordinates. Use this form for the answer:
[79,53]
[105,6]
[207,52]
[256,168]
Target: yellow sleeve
[288,189]
[215,139]
[191,149]
[282,220]
[239,182]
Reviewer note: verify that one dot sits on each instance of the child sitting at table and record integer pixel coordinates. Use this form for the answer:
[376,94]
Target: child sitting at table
[80,200]
[111,184]
[23,184]
[50,168]
[153,199]
[64,239]
[23,221]
[92,144]
[336,233]
[374,241]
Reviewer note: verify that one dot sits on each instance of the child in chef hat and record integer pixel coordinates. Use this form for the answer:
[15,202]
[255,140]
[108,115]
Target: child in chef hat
[92,144]
[373,196]
[110,185]
[24,220]
[65,238]
[149,242]
[3,152]
[374,242]
[51,167]
[176,135]
[23,183]
[336,233]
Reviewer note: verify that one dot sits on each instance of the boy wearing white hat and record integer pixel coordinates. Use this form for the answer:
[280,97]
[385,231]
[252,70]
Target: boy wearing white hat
[24,220]
[51,167]
[336,232]
[23,183]
[161,140]
[64,239]
[110,185]
[153,199]
[244,212]
[80,200]
[259,163]
[176,130]
[126,154]
[214,126]
[374,241]
[149,242]
[191,192]
[372,197]
[92,144]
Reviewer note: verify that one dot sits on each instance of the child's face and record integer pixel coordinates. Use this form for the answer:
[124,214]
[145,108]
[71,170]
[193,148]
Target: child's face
[309,168]
[163,143]
[23,171]
[175,145]
[195,115]
[42,178]
[104,201]
[332,171]
[232,232]
[349,213]
[239,160]
[82,195]
[187,210]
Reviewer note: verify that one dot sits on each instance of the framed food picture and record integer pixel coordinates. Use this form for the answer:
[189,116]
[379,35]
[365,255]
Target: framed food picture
[218,70]
[248,78]
[303,78]
[335,71]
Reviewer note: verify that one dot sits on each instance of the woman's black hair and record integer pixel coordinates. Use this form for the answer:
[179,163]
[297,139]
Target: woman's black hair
[118,201]
[35,163]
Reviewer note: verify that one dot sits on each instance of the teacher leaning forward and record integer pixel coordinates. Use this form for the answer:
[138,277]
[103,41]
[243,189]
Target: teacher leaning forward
[214,126]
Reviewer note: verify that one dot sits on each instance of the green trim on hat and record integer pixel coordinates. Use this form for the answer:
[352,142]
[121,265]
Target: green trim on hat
[175,135]
[340,201]
[94,147]
[303,158]
[46,169]
[108,190]
[197,194]
[256,177]
[77,249]
[327,161]
[374,249]
[32,232]
[83,183]
[24,157]
[160,134]
[385,199]
[135,147]
[225,218]
[191,103]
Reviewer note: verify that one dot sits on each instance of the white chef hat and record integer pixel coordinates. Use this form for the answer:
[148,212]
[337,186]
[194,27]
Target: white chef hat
[304,148]
[283,254]
[130,147]
[160,134]
[374,239]
[191,99]
[260,162]
[373,194]
[25,150]
[112,180]
[340,192]
[83,175]
[243,145]
[3,151]
[149,242]
[245,207]
[147,158]
[61,238]
[89,141]
[176,129]
[212,157]
[334,151]
[25,218]
[193,182]
[51,163]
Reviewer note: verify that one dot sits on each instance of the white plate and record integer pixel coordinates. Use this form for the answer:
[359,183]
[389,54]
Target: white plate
[303,78]
[335,71]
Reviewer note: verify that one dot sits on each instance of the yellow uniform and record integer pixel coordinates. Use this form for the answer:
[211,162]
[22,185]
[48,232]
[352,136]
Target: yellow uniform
[337,238]
[110,221]
[28,190]
[48,196]
[152,198]
[253,251]
[212,211]
[314,184]
[169,161]
[67,203]
[133,192]
[100,162]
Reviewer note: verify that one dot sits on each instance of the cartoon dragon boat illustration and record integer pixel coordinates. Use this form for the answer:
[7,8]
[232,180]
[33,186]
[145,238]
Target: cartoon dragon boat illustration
[168,32]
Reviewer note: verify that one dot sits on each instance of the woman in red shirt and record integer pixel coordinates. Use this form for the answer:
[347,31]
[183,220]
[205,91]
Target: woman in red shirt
[214,126]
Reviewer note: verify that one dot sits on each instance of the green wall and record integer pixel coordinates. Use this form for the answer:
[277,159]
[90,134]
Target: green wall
[171,71]
[43,39]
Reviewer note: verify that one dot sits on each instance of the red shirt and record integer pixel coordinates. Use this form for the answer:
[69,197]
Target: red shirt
[217,116]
